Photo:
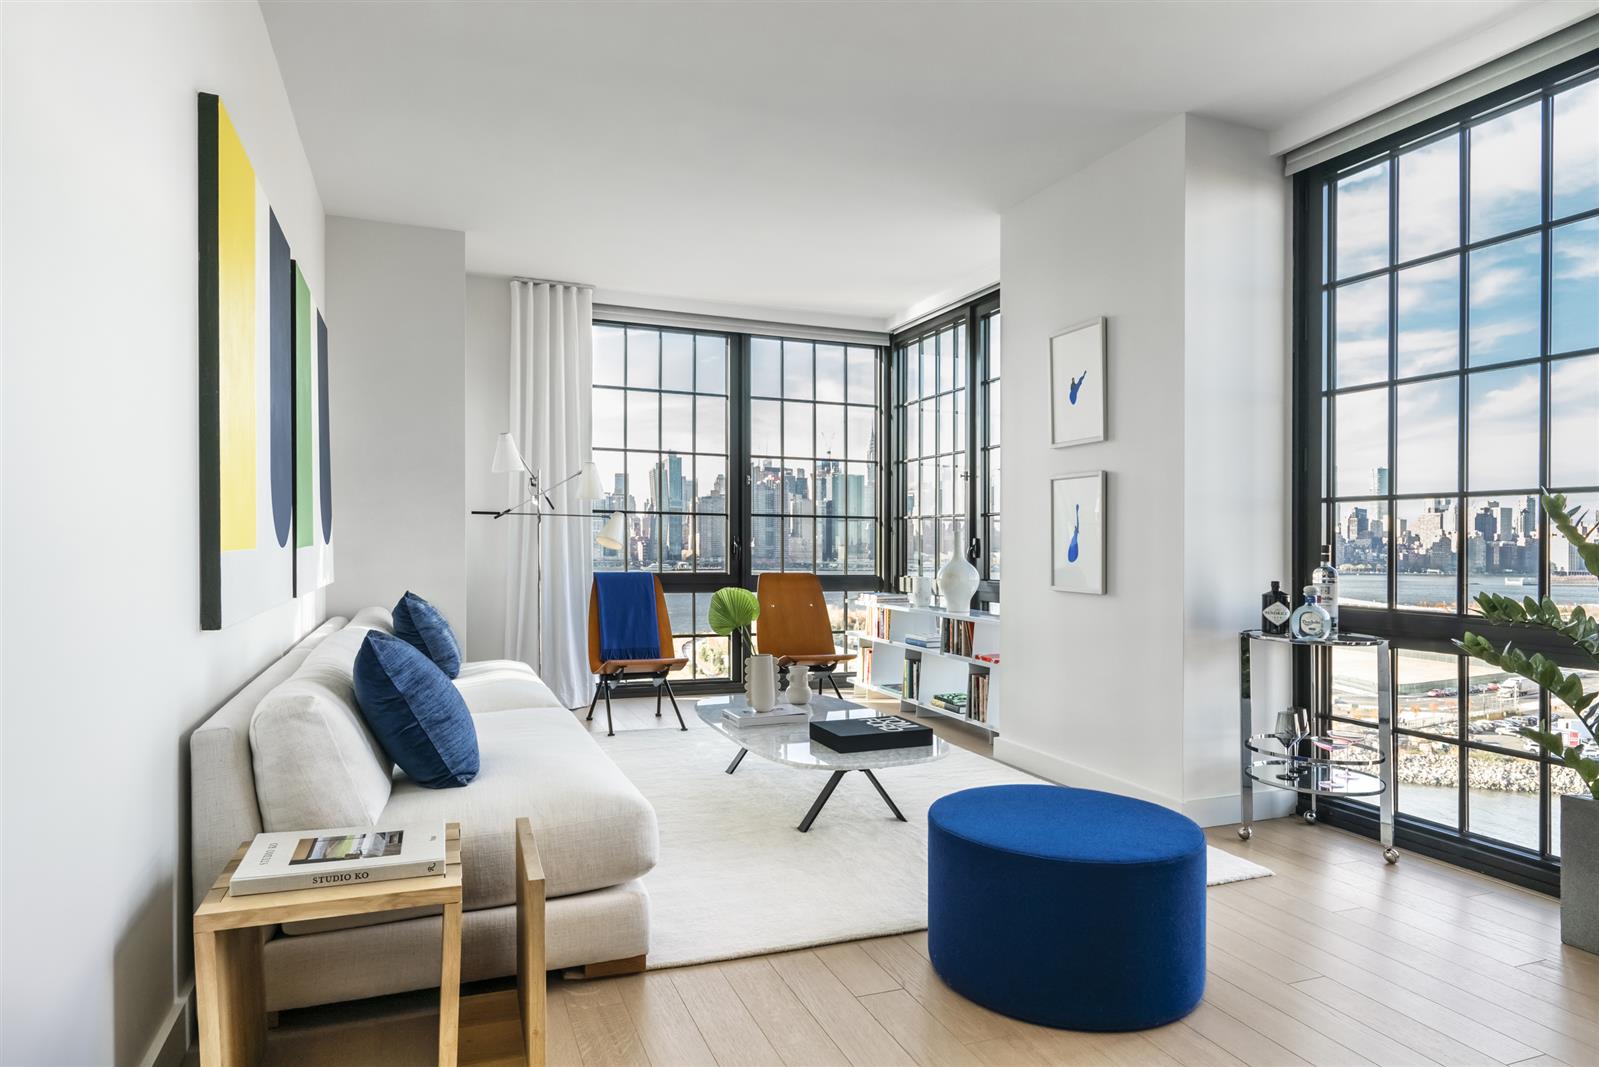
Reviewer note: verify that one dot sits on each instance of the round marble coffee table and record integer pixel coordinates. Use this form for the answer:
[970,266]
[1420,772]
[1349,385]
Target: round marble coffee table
[790,744]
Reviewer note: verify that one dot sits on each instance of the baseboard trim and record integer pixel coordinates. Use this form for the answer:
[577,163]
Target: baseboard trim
[171,1040]
[1050,766]
[1206,811]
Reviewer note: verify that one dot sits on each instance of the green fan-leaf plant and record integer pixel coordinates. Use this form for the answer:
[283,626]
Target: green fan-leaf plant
[734,610]
[1580,632]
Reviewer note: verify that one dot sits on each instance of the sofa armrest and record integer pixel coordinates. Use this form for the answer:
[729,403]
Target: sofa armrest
[530,992]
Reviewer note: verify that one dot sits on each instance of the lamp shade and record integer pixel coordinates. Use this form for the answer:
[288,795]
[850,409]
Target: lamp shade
[588,482]
[612,533]
[507,459]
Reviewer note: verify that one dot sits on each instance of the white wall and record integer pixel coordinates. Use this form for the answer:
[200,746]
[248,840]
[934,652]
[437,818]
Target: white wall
[105,668]
[488,370]
[1103,675]
[397,324]
[1235,443]
[1177,239]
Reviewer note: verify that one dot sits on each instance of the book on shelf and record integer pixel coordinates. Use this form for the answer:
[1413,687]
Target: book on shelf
[312,859]
[957,636]
[977,697]
[743,716]
[952,702]
[911,679]
[922,640]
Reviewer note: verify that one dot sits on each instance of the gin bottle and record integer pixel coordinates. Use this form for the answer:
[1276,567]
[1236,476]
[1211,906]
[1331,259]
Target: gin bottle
[1325,579]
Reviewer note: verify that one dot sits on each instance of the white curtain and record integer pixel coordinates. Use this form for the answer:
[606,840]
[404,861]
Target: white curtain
[552,370]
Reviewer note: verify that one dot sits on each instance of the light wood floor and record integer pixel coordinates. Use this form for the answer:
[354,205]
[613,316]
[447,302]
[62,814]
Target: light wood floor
[1338,959]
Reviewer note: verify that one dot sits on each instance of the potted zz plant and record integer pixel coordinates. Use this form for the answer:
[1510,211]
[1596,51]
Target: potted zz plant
[1578,637]
[734,610]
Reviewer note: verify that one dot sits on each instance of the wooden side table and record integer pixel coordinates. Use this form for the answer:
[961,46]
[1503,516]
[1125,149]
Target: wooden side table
[229,931]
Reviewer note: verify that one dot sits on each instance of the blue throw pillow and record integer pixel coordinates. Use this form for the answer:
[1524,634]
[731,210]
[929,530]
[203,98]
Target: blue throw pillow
[419,624]
[416,713]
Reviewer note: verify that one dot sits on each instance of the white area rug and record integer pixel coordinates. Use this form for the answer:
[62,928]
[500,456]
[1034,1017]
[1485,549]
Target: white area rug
[736,878]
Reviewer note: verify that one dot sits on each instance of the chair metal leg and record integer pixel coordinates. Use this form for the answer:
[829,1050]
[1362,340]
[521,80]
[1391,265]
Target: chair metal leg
[884,794]
[597,687]
[731,767]
[657,698]
[816,808]
[833,680]
[673,698]
[610,729]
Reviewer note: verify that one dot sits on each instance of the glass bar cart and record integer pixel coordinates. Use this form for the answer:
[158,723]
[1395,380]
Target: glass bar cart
[1318,765]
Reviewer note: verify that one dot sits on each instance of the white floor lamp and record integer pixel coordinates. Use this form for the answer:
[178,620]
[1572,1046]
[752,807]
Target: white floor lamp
[508,460]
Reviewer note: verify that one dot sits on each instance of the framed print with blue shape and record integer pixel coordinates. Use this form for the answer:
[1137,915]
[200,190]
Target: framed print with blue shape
[1077,533]
[1077,384]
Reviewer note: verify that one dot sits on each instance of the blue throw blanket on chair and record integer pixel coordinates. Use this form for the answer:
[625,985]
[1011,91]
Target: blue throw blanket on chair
[629,628]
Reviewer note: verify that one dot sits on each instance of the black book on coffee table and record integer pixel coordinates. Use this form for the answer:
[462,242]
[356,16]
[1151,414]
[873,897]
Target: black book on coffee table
[870,735]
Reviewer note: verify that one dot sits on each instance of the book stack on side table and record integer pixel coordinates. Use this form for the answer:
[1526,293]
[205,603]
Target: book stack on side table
[312,859]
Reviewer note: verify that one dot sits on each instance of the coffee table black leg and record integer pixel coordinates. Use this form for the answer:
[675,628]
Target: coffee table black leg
[884,794]
[816,808]
[731,767]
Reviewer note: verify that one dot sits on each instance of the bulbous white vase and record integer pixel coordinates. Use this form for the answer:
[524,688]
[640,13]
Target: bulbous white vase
[799,684]
[760,682]
[958,582]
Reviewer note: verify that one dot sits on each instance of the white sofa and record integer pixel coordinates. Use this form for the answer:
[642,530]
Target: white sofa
[596,833]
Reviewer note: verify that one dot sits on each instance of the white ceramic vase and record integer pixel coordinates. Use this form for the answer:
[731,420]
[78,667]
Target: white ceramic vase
[799,684]
[958,582]
[921,594]
[760,682]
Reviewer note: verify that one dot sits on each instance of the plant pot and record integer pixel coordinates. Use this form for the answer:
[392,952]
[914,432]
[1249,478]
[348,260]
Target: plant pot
[799,684]
[760,682]
[1579,872]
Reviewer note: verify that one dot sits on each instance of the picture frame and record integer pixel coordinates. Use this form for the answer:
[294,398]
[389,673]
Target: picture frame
[1078,549]
[1077,384]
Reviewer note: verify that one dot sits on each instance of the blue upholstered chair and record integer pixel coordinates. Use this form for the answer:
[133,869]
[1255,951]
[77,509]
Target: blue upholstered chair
[653,661]
[1067,907]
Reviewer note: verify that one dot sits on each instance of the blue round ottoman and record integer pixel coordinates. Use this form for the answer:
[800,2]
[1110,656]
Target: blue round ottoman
[1067,907]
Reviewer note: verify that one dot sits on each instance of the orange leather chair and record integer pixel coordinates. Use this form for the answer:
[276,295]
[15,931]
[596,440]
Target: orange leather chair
[612,673]
[793,625]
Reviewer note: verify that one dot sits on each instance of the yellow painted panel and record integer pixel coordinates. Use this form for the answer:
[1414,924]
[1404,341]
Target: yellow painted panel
[236,299]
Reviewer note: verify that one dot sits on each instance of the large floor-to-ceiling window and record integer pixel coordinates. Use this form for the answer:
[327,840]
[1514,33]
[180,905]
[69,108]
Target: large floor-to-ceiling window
[946,468]
[1448,367]
[732,454]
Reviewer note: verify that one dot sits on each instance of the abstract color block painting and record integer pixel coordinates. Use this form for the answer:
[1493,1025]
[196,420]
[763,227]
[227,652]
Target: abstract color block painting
[313,479]
[246,384]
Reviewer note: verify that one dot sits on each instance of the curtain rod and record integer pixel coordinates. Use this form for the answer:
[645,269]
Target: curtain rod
[550,281]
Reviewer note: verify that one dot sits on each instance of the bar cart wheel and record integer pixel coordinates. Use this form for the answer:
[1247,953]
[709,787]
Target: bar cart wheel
[1391,855]
[1310,817]
[1245,833]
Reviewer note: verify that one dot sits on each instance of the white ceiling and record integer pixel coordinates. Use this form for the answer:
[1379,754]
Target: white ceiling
[843,158]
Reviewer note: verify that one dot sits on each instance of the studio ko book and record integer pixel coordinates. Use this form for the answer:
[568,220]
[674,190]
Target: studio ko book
[311,859]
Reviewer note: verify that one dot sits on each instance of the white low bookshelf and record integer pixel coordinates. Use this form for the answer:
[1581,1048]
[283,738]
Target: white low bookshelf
[956,662]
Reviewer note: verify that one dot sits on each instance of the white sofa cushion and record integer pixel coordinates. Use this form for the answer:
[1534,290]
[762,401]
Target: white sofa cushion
[500,684]
[593,827]
[373,619]
[316,763]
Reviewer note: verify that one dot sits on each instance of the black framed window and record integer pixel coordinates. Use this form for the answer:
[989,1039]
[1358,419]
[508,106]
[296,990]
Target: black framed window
[988,445]
[680,414]
[946,466]
[661,444]
[1447,367]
